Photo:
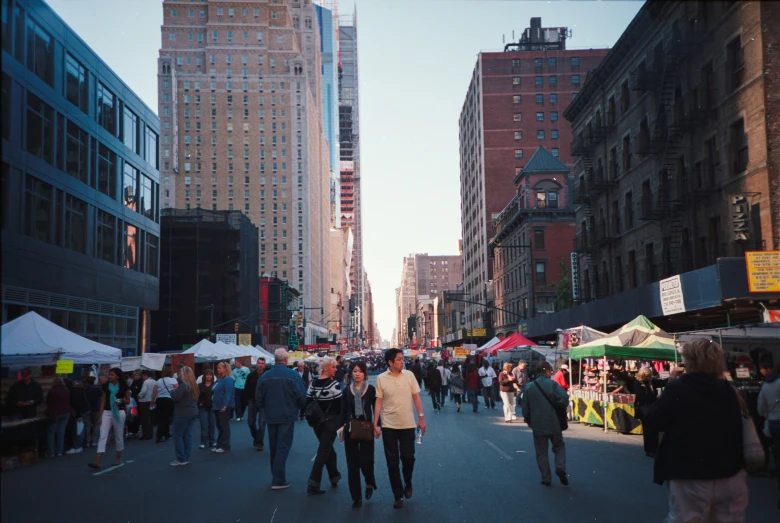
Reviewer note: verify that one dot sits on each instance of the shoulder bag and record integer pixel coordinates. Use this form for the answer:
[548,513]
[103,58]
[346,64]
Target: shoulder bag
[560,412]
[314,414]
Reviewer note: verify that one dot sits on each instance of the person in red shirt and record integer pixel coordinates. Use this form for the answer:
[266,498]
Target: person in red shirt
[562,377]
[472,385]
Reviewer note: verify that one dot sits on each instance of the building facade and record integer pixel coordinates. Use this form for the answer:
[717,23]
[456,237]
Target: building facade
[240,101]
[80,185]
[532,244]
[514,104]
[209,278]
[675,145]
[278,319]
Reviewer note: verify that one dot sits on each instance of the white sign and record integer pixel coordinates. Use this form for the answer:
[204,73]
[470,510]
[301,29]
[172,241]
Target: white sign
[227,338]
[743,373]
[575,277]
[672,301]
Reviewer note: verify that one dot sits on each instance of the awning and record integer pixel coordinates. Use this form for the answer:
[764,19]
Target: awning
[639,339]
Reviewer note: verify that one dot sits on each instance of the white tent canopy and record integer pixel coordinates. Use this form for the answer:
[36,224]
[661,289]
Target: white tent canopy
[204,350]
[267,356]
[34,340]
[489,344]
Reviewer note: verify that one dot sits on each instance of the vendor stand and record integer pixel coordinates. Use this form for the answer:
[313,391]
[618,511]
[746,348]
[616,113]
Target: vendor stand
[639,339]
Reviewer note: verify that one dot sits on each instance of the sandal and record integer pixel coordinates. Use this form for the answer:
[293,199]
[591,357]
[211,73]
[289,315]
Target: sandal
[94,466]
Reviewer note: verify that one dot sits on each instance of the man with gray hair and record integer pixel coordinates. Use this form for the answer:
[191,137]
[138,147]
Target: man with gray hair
[280,394]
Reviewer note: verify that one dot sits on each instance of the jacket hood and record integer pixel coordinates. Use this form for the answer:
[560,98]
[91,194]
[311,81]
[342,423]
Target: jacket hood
[706,383]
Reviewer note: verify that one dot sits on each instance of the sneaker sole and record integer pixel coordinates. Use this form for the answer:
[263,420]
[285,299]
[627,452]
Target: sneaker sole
[279,487]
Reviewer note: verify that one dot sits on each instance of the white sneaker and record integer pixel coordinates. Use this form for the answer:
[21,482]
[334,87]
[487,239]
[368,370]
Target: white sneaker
[219,450]
[202,447]
[177,463]
[73,451]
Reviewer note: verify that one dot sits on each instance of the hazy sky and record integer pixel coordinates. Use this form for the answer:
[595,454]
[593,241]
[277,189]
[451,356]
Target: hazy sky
[416,58]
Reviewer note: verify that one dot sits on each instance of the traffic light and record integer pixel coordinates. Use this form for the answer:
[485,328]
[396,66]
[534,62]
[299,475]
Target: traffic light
[236,327]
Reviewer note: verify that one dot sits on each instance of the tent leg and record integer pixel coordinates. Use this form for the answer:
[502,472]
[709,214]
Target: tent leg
[604,403]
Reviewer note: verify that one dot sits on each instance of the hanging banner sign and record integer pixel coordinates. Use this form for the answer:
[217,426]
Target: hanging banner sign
[763,271]
[227,338]
[672,301]
[245,339]
[575,277]
[64,367]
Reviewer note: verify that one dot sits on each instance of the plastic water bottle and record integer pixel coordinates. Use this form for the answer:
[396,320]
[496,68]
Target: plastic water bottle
[419,436]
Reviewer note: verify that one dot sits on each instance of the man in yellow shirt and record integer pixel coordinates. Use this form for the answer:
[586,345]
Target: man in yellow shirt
[396,391]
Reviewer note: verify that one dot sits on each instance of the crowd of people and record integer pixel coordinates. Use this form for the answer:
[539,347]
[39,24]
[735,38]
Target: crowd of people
[699,413]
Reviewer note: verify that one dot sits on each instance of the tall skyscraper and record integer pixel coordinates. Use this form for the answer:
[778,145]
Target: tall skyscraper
[327,17]
[349,131]
[514,104]
[240,102]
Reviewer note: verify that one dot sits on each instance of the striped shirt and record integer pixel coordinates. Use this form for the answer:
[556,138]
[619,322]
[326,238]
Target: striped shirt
[328,393]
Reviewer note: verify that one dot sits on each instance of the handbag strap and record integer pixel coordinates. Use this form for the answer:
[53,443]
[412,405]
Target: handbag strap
[538,386]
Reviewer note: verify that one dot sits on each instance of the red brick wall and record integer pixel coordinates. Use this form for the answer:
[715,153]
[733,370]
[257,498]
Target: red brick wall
[770,36]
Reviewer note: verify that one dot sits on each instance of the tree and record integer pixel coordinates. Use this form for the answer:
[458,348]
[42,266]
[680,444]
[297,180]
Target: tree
[563,294]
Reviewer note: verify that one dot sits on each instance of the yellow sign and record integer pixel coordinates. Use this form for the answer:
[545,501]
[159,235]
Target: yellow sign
[461,354]
[64,367]
[763,271]
[477,333]
[296,355]
[245,339]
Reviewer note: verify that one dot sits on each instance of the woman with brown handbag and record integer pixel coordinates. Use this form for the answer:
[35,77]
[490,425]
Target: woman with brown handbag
[358,433]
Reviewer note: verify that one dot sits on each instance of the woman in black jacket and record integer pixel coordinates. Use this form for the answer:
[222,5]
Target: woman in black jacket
[360,454]
[326,391]
[701,453]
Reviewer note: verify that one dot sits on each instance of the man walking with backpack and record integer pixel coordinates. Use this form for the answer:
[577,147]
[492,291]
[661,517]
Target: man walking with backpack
[544,410]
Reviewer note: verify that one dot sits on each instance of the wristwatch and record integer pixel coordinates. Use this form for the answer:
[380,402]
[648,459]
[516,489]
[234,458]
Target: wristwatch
[422,415]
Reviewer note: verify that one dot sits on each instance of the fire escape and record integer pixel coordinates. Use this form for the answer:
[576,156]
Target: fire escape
[677,116]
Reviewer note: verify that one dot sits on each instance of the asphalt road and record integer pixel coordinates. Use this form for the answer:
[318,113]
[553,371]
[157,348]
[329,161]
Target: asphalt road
[470,468]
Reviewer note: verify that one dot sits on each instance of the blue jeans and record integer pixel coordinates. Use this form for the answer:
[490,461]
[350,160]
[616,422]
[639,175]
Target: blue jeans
[182,437]
[256,422]
[444,390]
[208,424]
[56,433]
[472,393]
[238,394]
[280,439]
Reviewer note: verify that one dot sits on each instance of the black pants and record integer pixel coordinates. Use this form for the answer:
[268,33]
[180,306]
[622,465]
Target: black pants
[436,397]
[487,393]
[393,440]
[164,415]
[326,454]
[360,457]
[223,429]
[145,417]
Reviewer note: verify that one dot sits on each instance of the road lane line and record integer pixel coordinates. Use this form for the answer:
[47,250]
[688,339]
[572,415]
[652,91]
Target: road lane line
[109,469]
[495,447]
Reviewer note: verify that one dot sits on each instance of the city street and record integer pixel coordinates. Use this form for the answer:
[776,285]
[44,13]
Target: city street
[470,467]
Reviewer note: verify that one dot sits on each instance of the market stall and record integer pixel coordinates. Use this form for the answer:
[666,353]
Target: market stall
[638,340]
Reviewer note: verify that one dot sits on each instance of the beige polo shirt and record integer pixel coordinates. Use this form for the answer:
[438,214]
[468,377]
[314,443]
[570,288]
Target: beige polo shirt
[397,404]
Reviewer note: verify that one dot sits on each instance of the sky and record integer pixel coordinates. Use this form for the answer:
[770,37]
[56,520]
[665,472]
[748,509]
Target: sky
[416,58]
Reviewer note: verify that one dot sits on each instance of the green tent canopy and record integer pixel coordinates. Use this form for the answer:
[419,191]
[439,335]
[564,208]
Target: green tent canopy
[639,339]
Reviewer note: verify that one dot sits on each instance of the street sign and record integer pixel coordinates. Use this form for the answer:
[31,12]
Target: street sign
[203,331]
[671,293]
[245,339]
[763,271]
[227,338]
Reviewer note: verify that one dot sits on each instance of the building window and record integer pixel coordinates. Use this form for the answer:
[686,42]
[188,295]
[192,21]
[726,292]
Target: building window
[152,262]
[40,129]
[76,86]
[626,153]
[40,52]
[736,62]
[540,134]
[539,99]
[106,109]
[556,152]
[517,99]
[554,116]
[625,97]
[39,209]
[130,187]
[7,102]
[518,117]
[75,233]
[516,62]
[518,135]
[539,81]
[629,210]
[129,247]
[539,117]
[554,134]
[575,80]
[575,61]
[77,153]
[546,200]
[518,154]
[105,239]
[130,130]
[553,98]
[552,62]
[553,81]
[106,171]
[151,152]
[739,147]
[515,80]
[541,272]
[539,239]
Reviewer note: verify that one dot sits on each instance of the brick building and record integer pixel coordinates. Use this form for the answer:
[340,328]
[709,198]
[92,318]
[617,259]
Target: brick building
[673,138]
[537,228]
[240,106]
[514,104]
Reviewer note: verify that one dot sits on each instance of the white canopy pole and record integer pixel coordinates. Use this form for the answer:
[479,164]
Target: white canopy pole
[604,399]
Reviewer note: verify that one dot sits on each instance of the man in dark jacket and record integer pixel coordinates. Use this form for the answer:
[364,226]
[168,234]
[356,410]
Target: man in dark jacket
[255,416]
[24,396]
[434,385]
[280,394]
[305,374]
[417,371]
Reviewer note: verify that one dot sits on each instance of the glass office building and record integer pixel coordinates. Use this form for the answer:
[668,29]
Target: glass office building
[80,185]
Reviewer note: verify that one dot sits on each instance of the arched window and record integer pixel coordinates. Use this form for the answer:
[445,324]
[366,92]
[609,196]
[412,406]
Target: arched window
[547,194]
